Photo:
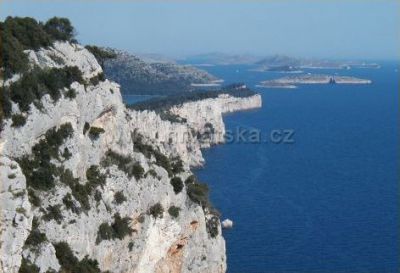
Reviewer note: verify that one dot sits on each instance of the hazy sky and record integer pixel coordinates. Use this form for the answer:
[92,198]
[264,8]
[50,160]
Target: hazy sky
[332,29]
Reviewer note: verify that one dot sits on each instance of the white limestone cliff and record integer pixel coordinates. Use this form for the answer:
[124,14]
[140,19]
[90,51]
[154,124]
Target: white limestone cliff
[164,244]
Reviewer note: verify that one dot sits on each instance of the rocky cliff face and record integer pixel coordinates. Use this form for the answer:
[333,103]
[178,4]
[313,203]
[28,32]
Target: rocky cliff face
[103,144]
[202,128]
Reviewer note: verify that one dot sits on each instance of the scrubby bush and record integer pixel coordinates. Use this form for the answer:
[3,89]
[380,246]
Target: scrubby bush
[190,179]
[152,173]
[96,79]
[87,265]
[101,54]
[119,197]
[69,263]
[70,93]
[177,184]
[33,198]
[67,177]
[69,203]
[139,145]
[33,85]
[124,163]
[38,169]
[39,174]
[28,267]
[82,192]
[148,151]
[121,226]
[94,132]
[97,196]
[105,232]
[156,211]
[172,166]
[35,238]
[53,213]
[198,193]
[60,29]
[65,256]
[118,230]
[137,171]
[174,211]
[18,120]
[94,177]
[177,165]
[212,226]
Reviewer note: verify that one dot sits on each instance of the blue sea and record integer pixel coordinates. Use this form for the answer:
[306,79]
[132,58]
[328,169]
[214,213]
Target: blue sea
[327,203]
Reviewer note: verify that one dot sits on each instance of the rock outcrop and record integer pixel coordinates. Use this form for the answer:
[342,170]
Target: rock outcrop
[157,241]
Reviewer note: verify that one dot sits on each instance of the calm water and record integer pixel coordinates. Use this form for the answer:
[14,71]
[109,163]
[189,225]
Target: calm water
[327,203]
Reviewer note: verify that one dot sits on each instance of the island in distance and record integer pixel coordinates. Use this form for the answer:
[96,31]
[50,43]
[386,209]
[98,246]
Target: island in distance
[293,81]
[283,63]
[274,63]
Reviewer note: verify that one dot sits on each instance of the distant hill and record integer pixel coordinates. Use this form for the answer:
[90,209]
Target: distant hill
[279,60]
[275,62]
[152,77]
[220,59]
[287,63]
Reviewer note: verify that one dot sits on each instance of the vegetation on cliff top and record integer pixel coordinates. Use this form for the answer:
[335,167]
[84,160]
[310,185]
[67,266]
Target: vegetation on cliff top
[22,33]
[101,54]
[163,104]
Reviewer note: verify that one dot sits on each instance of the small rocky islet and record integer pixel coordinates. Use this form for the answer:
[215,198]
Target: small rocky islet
[294,80]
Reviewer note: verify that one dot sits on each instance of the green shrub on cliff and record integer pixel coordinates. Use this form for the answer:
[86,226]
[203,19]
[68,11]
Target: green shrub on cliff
[101,54]
[94,177]
[156,211]
[53,213]
[117,230]
[28,267]
[174,211]
[119,197]
[94,132]
[60,29]
[177,184]
[69,263]
[38,168]
[198,193]
[33,85]
[18,120]
[124,163]
[212,226]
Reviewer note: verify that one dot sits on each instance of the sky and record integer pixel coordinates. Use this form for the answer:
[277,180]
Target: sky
[334,29]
